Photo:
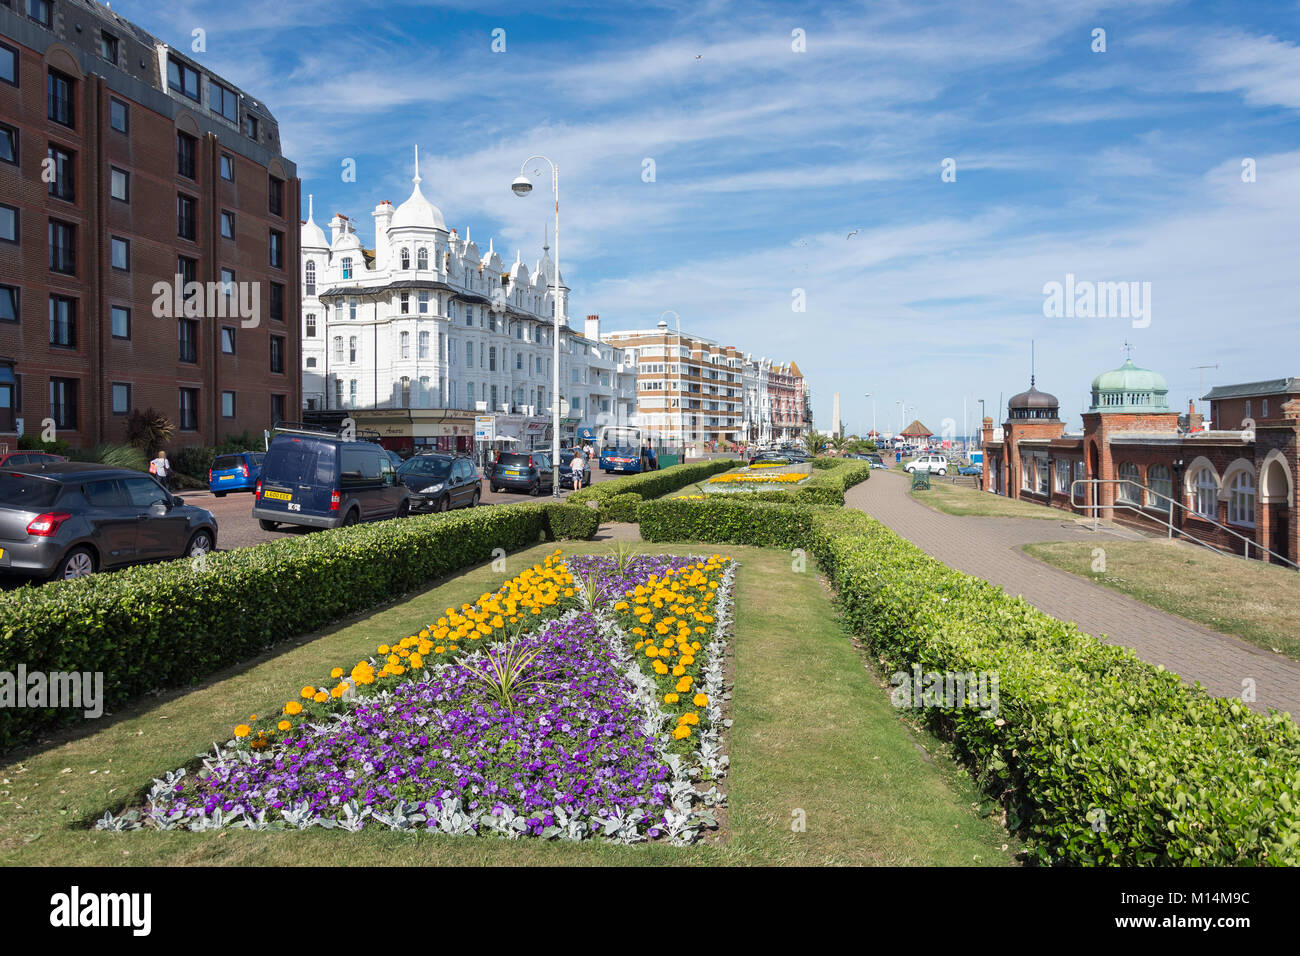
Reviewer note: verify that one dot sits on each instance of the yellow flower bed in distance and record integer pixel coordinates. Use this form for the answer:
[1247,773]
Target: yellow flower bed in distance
[785,478]
[535,595]
[766,464]
[671,617]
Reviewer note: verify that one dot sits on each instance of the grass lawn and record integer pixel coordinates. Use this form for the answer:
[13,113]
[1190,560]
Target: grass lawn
[1257,602]
[814,732]
[964,500]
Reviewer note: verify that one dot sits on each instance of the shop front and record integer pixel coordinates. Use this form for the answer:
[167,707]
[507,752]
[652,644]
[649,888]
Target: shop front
[416,430]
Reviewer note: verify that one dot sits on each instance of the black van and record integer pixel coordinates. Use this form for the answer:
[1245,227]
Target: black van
[323,481]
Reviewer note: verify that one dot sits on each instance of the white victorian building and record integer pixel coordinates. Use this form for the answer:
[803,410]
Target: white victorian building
[427,328]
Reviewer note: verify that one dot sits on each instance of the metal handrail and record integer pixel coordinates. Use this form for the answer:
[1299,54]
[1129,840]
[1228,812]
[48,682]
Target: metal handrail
[1174,503]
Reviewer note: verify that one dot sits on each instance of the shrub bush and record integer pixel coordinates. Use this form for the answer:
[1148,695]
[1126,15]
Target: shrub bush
[1098,756]
[620,507]
[727,519]
[569,522]
[166,625]
[654,484]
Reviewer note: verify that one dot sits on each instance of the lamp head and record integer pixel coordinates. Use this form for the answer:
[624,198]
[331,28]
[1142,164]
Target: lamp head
[521,185]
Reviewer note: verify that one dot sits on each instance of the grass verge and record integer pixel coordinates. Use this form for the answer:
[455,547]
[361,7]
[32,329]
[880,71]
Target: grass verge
[1257,602]
[813,733]
[963,500]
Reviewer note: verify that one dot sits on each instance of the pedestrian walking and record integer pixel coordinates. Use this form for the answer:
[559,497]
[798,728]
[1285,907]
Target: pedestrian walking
[577,464]
[161,469]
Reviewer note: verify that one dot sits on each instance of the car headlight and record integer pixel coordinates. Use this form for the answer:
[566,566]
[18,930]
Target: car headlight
[431,489]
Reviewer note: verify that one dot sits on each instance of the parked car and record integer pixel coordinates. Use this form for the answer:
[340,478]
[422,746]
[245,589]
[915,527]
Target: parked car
[566,469]
[66,520]
[936,464]
[322,481]
[970,470]
[237,472]
[876,461]
[439,482]
[16,459]
[522,471]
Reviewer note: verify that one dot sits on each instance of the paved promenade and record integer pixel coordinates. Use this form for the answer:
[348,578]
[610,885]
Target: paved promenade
[990,548]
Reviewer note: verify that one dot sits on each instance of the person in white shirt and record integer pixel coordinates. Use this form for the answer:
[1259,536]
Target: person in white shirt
[161,469]
[577,465]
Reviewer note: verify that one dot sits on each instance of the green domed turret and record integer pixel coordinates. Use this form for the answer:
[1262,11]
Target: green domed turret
[1130,389]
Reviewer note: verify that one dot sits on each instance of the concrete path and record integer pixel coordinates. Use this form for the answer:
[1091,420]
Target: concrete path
[990,548]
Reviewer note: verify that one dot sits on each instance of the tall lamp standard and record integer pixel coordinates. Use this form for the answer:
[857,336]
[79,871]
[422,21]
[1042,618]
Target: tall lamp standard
[681,428]
[872,396]
[522,186]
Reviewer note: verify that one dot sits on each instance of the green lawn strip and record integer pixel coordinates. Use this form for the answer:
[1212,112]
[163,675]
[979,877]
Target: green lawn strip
[1257,602]
[809,721]
[962,500]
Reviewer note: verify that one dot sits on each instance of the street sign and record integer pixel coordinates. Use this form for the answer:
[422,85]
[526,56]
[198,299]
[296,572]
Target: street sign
[485,428]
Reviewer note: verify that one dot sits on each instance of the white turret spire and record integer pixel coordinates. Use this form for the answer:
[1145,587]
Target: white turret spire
[417,179]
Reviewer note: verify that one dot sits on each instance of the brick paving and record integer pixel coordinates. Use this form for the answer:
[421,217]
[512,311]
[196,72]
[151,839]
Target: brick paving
[990,548]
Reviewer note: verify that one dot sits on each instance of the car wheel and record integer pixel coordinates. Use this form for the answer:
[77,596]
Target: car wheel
[403,510]
[473,502]
[536,488]
[219,494]
[268,525]
[352,517]
[77,563]
[199,545]
[942,472]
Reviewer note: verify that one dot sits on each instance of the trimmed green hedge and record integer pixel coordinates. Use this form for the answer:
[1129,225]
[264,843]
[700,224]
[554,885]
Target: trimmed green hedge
[727,519]
[654,484]
[166,625]
[620,507]
[1097,756]
[570,522]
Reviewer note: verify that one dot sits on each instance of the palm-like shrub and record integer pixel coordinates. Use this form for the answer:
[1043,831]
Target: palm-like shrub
[814,442]
[508,673]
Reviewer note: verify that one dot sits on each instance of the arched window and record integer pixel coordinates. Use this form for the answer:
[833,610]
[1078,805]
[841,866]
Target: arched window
[1128,489]
[311,279]
[347,267]
[1241,499]
[422,259]
[406,258]
[1205,487]
[1159,482]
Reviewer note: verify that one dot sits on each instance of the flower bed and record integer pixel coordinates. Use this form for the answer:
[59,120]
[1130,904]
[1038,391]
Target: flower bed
[741,478]
[556,731]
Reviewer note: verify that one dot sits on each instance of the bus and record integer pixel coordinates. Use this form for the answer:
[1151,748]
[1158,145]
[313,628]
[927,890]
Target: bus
[621,449]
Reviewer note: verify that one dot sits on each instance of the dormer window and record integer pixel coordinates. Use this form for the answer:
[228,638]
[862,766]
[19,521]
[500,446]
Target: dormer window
[422,259]
[347,267]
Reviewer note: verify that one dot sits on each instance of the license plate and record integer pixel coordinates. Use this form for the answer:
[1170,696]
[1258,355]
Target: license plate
[227,477]
[510,471]
[278,495]
[2,552]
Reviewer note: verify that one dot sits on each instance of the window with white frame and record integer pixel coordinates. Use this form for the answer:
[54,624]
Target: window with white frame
[1080,492]
[1041,467]
[338,348]
[424,345]
[1128,488]
[406,345]
[1205,491]
[1160,487]
[1062,475]
[1241,499]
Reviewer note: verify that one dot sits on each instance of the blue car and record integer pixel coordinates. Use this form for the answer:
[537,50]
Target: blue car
[237,472]
[970,470]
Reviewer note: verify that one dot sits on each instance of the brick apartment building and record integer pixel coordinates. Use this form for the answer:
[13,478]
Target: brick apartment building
[123,164]
[1233,488]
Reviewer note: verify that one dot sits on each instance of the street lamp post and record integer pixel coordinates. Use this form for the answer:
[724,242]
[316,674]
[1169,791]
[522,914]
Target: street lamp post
[522,186]
[872,396]
[681,426]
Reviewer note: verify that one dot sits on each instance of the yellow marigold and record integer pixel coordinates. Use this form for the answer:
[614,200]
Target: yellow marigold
[671,698]
[320,697]
[284,725]
[338,690]
[242,731]
[306,693]
[383,648]
[700,700]
[292,708]
[684,684]
[651,651]
[679,670]
[682,732]
[336,673]
[691,718]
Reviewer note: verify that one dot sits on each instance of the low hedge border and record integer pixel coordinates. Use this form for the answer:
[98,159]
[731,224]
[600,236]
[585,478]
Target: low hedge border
[158,626]
[1097,756]
[728,519]
[653,484]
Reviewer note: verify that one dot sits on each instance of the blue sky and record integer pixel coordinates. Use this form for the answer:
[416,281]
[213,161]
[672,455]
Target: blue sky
[778,170]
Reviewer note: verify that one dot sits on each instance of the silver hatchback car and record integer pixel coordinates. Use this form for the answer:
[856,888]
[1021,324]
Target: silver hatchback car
[70,519]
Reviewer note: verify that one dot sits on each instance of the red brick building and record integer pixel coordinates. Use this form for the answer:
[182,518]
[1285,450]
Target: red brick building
[1142,463]
[124,164]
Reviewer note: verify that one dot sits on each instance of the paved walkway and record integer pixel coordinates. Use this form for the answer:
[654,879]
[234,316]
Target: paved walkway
[990,548]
